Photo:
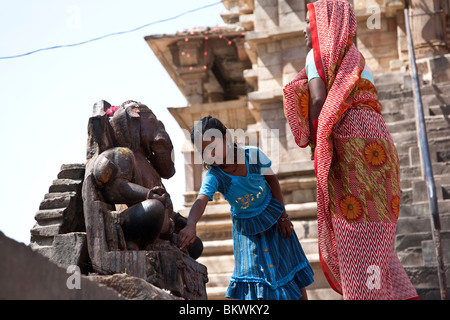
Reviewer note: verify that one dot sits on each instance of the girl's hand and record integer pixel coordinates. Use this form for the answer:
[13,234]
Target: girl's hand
[285,226]
[186,236]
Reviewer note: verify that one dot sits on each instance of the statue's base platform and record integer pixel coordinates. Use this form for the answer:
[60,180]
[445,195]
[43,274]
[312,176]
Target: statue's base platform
[166,267]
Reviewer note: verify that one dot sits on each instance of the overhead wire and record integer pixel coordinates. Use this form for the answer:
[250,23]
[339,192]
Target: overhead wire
[110,34]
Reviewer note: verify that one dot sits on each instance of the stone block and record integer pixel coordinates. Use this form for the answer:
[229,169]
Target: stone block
[27,274]
[429,252]
[269,72]
[404,241]
[71,249]
[133,288]
[420,191]
[73,171]
[411,256]
[266,15]
[270,84]
[426,277]
[440,68]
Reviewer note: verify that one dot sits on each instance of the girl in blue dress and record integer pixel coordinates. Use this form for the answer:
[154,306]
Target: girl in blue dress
[269,261]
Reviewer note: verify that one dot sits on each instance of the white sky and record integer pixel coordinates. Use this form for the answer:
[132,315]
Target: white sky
[46,98]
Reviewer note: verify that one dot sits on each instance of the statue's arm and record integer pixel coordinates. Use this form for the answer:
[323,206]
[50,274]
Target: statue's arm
[113,173]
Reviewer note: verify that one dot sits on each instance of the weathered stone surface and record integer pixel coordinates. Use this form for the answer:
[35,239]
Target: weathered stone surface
[26,274]
[132,287]
[74,171]
[71,249]
[429,251]
[171,269]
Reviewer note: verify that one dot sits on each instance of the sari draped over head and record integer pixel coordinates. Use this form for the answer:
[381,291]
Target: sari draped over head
[356,163]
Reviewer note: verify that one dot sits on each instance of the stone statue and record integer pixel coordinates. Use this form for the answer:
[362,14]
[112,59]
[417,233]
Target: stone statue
[130,223]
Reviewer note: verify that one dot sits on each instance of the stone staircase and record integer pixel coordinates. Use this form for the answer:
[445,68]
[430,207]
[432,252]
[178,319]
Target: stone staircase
[61,211]
[414,244]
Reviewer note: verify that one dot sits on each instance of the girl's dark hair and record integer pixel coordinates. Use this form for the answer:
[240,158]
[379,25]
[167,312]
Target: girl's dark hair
[204,125]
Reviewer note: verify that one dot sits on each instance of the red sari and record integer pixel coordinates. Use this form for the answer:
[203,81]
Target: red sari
[356,163]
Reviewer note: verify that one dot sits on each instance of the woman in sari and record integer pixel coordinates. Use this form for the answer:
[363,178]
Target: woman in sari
[332,106]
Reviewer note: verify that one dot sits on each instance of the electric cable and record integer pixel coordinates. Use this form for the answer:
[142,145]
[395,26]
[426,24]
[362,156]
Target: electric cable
[110,34]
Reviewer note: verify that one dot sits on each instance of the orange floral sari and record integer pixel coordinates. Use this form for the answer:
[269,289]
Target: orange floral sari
[356,163]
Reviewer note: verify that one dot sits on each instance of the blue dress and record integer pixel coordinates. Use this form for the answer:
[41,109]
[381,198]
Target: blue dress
[267,266]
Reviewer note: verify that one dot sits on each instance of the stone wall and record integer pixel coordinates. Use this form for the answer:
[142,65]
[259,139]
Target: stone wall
[27,274]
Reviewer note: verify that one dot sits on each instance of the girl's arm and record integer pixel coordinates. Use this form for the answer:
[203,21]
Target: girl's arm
[284,224]
[188,234]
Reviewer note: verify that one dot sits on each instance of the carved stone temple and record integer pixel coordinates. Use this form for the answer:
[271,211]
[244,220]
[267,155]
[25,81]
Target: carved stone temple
[236,72]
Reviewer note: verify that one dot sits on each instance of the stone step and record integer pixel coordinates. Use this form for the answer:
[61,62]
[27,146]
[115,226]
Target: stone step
[433,122]
[46,230]
[401,126]
[41,241]
[407,240]
[405,139]
[404,106]
[389,78]
[212,211]
[421,209]
[296,183]
[441,168]
[382,87]
[65,185]
[435,99]
[420,189]
[406,196]
[425,277]
[305,210]
[436,110]
[429,252]
[409,175]
[395,94]
[56,200]
[53,195]
[411,256]
[421,224]
[217,247]
[73,171]
[49,214]
[441,88]
[46,251]
[220,280]
[445,191]
[218,264]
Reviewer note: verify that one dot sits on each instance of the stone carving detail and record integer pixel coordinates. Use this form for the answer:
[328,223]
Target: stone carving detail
[130,223]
